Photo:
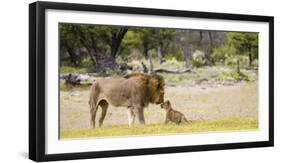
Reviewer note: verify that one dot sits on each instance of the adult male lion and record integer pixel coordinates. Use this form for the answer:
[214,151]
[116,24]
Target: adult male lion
[135,91]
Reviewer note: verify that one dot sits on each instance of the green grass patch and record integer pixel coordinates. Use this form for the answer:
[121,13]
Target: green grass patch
[68,87]
[70,69]
[229,124]
[233,76]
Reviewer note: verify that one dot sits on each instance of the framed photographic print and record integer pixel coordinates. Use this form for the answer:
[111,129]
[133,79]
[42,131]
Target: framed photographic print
[110,81]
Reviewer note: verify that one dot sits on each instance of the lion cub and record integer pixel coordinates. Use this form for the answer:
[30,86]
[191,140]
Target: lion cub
[173,115]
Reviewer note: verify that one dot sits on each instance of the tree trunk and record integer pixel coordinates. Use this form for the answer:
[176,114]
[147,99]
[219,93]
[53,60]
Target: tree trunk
[199,43]
[160,53]
[116,41]
[209,50]
[187,55]
[211,40]
[70,51]
[150,61]
[91,54]
[250,56]
[72,55]
[238,66]
[91,49]
[145,47]
[172,71]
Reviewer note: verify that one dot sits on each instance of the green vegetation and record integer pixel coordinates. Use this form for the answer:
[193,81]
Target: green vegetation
[233,76]
[245,44]
[229,124]
[70,69]
[97,48]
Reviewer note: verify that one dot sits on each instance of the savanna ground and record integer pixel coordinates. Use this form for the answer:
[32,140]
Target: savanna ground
[216,98]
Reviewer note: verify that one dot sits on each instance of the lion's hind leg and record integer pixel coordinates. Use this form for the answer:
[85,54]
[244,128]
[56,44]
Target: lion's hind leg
[93,115]
[184,120]
[104,105]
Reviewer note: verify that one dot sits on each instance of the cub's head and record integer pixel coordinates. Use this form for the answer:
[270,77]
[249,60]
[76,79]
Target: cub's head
[166,105]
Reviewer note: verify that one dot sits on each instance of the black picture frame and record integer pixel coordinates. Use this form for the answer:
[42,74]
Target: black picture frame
[37,80]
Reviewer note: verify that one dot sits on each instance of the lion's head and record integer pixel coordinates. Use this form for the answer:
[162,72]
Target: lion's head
[156,87]
[155,84]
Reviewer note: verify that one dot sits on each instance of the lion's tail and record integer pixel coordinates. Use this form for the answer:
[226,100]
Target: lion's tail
[94,92]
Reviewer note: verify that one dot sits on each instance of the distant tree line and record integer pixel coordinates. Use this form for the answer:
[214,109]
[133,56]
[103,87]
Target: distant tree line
[99,46]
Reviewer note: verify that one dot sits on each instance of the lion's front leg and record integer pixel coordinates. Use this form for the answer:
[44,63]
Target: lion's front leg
[166,120]
[131,116]
[140,114]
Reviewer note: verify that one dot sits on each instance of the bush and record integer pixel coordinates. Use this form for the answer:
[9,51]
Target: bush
[233,76]
[180,56]
[223,52]
[198,59]
[168,56]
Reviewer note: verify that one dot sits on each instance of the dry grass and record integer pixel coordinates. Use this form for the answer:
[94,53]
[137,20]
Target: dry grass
[237,104]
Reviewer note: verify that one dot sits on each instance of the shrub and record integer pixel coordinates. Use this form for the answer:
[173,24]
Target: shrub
[223,52]
[179,56]
[198,59]
[169,56]
[233,76]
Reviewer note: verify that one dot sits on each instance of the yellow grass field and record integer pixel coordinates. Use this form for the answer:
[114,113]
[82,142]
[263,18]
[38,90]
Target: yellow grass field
[218,108]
